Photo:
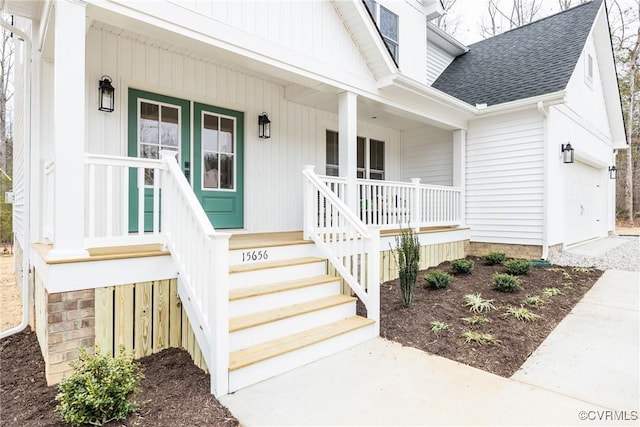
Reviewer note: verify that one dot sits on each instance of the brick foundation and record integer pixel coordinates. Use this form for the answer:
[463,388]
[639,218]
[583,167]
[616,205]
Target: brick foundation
[65,323]
[512,251]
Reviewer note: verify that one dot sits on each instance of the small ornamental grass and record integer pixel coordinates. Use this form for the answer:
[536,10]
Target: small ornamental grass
[476,320]
[407,258]
[478,338]
[550,292]
[518,267]
[462,266]
[437,327]
[494,258]
[534,300]
[438,279]
[477,304]
[100,389]
[505,282]
[521,313]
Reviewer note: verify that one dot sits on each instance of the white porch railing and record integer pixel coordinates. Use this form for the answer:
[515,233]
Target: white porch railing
[174,217]
[390,205]
[109,198]
[351,247]
[49,199]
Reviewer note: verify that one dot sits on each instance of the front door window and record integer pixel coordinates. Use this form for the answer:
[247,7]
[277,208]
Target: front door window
[218,152]
[159,129]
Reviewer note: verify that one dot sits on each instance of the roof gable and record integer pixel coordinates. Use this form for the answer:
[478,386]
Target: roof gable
[532,60]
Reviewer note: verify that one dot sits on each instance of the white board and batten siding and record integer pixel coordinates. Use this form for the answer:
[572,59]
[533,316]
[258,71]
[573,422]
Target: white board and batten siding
[427,153]
[437,61]
[273,167]
[505,181]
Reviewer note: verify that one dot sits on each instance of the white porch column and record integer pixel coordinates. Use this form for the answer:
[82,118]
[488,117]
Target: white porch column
[348,146]
[69,128]
[459,156]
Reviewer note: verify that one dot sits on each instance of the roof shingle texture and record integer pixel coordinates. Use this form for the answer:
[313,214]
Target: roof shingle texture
[528,61]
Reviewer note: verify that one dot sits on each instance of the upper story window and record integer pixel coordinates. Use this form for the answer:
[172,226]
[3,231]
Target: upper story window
[588,71]
[387,22]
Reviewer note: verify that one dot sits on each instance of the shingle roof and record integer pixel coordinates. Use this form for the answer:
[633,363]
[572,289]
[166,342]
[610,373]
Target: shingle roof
[535,59]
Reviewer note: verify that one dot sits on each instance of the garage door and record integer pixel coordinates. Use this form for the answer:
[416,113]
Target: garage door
[586,203]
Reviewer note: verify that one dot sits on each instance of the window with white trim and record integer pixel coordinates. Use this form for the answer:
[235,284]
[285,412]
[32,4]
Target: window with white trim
[370,157]
[387,23]
[588,70]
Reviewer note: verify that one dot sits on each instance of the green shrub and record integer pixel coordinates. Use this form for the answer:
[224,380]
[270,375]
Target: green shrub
[407,257]
[518,267]
[505,282]
[100,389]
[462,266]
[494,258]
[438,279]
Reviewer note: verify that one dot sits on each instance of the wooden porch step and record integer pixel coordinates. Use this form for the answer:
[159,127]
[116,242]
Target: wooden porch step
[256,291]
[255,266]
[261,352]
[269,316]
[244,241]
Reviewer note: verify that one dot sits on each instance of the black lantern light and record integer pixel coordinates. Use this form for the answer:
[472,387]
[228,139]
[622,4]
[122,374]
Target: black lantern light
[106,94]
[264,126]
[567,153]
[613,172]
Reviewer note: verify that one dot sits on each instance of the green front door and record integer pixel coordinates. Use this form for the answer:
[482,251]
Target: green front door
[218,167]
[158,122]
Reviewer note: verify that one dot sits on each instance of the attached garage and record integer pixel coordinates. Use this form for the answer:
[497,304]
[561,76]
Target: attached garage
[586,203]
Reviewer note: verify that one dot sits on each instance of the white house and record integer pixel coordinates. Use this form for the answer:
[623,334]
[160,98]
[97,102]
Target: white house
[246,176]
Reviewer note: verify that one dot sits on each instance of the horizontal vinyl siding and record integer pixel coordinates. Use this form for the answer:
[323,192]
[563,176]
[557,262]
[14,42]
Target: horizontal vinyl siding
[427,153]
[437,61]
[504,179]
[273,167]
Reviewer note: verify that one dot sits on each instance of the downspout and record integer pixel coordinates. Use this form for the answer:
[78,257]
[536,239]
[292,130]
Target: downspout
[27,183]
[545,183]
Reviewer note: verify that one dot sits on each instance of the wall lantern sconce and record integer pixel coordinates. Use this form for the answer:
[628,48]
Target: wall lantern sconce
[567,153]
[613,172]
[264,126]
[106,94]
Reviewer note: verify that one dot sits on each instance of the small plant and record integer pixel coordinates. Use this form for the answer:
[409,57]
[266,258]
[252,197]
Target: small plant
[556,269]
[566,276]
[505,282]
[437,327]
[522,313]
[407,258]
[477,304]
[518,267]
[479,338]
[567,285]
[438,279]
[494,258]
[100,389]
[534,300]
[462,266]
[550,292]
[583,269]
[476,320]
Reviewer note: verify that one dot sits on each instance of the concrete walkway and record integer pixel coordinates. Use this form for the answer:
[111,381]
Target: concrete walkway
[584,373]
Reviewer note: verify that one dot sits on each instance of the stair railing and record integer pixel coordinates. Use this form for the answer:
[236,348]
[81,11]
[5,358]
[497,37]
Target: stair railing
[350,246]
[201,254]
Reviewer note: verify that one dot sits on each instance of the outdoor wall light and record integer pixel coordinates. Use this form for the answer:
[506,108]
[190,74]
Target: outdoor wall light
[264,126]
[613,172]
[106,94]
[567,153]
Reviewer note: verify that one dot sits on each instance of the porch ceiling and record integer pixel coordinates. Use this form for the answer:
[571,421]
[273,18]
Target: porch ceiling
[26,8]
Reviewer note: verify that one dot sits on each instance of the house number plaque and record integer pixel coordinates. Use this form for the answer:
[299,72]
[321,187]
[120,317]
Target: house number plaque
[248,256]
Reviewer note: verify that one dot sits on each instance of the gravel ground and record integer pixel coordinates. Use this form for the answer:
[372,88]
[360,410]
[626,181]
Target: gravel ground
[624,257]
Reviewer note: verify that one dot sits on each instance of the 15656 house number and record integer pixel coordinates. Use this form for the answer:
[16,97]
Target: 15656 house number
[255,256]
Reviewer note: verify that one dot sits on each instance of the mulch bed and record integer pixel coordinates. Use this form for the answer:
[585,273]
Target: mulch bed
[517,339]
[174,391]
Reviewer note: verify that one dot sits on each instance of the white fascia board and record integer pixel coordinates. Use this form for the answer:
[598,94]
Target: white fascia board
[547,100]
